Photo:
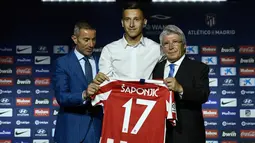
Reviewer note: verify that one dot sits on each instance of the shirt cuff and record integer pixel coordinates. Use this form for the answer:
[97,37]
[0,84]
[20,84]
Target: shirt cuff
[180,94]
[84,100]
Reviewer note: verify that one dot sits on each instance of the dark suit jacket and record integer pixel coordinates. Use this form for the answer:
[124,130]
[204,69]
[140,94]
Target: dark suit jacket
[193,76]
[76,121]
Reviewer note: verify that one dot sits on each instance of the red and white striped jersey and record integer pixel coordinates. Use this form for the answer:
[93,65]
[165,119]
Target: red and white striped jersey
[135,112]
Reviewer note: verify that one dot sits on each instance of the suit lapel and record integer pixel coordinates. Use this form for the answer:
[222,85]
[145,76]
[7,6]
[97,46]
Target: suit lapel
[182,69]
[96,58]
[158,72]
[76,68]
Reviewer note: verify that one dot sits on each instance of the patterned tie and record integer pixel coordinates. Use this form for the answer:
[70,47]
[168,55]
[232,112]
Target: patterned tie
[171,72]
[88,70]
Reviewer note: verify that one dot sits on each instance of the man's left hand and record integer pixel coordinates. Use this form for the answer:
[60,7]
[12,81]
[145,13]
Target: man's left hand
[100,78]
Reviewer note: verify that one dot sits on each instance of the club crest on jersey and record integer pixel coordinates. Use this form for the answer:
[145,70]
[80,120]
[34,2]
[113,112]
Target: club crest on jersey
[139,91]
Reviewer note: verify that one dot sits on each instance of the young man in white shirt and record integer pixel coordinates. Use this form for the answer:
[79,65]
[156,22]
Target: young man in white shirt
[132,56]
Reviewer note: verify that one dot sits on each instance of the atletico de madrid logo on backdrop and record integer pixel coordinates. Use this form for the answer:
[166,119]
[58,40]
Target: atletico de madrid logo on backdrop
[210,19]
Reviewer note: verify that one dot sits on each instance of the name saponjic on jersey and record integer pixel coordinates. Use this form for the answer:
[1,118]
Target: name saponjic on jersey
[140,91]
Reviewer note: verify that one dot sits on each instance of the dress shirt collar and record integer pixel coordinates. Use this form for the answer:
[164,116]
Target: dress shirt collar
[177,63]
[125,43]
[80,56]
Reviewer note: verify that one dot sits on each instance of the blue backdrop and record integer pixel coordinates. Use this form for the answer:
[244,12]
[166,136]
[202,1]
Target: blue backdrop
[221,35]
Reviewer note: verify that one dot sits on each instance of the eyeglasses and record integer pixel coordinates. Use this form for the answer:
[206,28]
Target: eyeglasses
[174,43]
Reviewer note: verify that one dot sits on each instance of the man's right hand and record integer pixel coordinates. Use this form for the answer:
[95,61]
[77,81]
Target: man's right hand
[100,78]
[91,90]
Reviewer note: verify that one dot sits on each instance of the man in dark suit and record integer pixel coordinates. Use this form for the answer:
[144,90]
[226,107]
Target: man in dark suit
[77,121]
[190,83]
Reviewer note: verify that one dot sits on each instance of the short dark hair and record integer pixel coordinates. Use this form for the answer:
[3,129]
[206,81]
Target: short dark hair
[82,25]
[132,5]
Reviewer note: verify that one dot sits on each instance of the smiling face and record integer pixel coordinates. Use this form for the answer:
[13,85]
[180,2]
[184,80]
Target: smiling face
[85,41]
[133,22]
[173,47]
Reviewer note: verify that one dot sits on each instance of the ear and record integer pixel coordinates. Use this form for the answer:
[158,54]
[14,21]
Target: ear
[74,38]
[184,48]
[122,23]
[144,22]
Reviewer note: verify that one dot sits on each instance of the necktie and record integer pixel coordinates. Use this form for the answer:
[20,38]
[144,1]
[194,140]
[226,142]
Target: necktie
[88,70]
[171,72]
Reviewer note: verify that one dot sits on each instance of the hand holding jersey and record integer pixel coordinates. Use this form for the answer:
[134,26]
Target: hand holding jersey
[91,90]
[100,78]
[173,84]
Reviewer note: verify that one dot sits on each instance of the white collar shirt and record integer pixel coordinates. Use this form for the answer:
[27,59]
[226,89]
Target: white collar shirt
[121,60]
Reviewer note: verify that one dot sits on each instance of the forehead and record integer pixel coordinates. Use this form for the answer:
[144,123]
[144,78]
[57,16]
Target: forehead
[87,33]
[132,13]
[171,36]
